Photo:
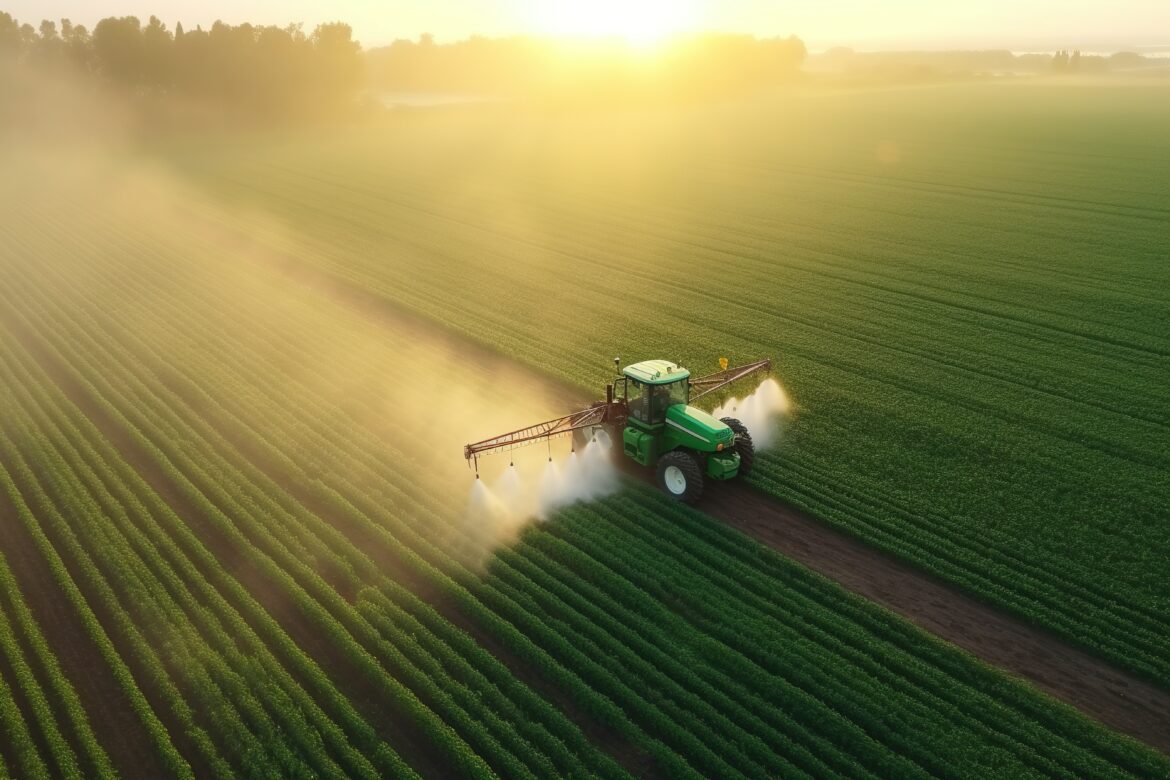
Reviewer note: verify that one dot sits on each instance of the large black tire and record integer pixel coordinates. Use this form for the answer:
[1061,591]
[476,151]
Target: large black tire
[680,477]
[743,444]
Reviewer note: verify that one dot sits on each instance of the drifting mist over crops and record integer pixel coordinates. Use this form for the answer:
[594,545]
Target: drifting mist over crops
[246,330]
[416,392]
[529,489]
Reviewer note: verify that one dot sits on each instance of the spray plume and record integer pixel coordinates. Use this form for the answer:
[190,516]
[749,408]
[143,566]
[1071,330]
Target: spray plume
[761,411]
[527,490]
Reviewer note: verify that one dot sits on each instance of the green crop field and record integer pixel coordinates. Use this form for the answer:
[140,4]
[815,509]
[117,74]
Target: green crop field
[966,290]
[235,376]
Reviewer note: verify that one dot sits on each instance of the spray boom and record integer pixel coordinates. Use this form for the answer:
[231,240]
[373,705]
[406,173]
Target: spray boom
[653,397]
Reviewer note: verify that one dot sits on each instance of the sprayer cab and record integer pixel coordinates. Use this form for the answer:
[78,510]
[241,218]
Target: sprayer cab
[647,413]
[686,444]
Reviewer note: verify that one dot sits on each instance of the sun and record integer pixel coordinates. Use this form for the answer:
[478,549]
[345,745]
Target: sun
[640,22]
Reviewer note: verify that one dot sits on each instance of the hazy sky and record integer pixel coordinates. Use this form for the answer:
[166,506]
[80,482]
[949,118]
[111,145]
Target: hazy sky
[1087,24]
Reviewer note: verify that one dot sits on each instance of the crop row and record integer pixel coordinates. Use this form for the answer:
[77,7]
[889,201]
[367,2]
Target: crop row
[226,498]
[239,730]
[187,655]
[708,691]
[279,482]
[191,468]
[971,371]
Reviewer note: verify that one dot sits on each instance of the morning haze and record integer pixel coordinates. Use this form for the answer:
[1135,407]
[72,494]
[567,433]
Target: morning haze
[895,24]
[609,389]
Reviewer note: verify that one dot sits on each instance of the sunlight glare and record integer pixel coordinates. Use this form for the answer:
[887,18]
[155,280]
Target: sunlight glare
[640,22]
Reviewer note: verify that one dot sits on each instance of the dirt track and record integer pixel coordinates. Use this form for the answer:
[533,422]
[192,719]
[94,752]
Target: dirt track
[1113,697]
[1094,687]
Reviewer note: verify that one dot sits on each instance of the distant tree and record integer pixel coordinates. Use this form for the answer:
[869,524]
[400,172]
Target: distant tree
[28,37]
[1125,60]
[10,40]
[338,65]
[119,51]
[178,30]
[285,69]
[191,51]
[158,54]
[48,50]
[78,45]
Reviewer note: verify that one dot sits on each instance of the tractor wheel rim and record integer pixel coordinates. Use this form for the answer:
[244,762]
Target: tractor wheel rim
[676,481]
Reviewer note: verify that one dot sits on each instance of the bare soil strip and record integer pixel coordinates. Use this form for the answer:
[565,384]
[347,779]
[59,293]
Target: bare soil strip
[401,733]
[113,721]
[629,755]
[1099,690]
[1115,698]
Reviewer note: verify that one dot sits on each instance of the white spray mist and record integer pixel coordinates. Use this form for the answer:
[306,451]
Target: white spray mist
[533,487]
[528,490]
[761,411]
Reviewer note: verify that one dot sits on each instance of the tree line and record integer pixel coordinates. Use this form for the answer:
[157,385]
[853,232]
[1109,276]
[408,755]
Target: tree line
[286,71]
[245,67]
[708,62]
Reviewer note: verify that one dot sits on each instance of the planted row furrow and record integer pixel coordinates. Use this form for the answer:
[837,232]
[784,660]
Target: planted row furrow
[183,651]
[178,564]
[439,731]
[21,484]
[729,553]
[399,665]
[803,666]
[225,629]
[902,672]
[59,690]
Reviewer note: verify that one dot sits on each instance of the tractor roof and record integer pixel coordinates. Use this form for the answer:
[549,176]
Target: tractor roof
[656,372]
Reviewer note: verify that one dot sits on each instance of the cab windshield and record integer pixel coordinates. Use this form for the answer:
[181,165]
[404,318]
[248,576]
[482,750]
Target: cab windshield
[649,403]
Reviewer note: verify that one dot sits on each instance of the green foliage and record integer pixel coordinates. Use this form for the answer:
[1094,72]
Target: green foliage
[965,307]
[266,71]
[279,590]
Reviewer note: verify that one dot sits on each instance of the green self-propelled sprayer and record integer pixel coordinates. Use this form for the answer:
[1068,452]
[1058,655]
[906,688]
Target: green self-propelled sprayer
[647,412]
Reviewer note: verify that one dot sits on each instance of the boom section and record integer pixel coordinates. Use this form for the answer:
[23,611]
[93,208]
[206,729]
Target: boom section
[586,418]
[712,382]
